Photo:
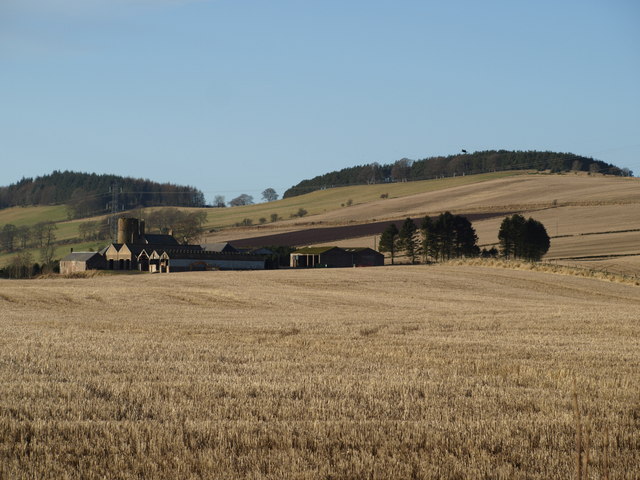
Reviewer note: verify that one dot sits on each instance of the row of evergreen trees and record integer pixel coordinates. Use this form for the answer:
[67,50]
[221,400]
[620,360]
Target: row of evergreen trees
[452,165]
[452,236]
[89,194]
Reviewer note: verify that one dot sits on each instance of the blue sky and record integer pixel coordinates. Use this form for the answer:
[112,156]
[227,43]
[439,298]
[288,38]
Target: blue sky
[234,96]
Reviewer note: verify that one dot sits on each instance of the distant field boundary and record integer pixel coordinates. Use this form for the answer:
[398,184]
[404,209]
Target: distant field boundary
[600,257]
[597,233]
[550,268]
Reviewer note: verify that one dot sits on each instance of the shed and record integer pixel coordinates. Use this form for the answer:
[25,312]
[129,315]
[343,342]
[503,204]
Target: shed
[81,261]
[335,257]
[366,257]
[181,260]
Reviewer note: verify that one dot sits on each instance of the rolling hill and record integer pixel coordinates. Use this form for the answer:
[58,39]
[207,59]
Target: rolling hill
[594,220]
[456,165]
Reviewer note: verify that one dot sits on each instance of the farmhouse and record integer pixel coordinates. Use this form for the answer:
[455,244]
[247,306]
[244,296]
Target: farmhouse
[137,250]
[335,257]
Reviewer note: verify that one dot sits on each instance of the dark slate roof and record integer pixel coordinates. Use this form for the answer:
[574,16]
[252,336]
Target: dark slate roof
[260,251]
[219,247]
[154,239]
[313,250]
[79,256]
[359,249]
[137,248]
[180,252]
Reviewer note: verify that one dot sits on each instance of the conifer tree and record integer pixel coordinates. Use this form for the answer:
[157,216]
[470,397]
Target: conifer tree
[428,230]
[408,239]
[448,236]
[520,238]
[389,241]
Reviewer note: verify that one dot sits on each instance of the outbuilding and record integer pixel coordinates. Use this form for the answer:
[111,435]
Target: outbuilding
[81,261]
[310,257]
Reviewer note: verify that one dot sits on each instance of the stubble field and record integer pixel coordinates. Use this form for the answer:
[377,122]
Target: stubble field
[393,372]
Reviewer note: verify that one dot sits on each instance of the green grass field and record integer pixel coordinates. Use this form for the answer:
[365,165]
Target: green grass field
[322,201]
[19,216]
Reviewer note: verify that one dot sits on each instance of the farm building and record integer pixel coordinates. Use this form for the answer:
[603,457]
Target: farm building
[82,261]
[137,250]
[309,257]
[223,247]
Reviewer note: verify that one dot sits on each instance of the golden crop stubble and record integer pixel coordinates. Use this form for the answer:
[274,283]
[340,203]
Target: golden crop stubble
[404,372]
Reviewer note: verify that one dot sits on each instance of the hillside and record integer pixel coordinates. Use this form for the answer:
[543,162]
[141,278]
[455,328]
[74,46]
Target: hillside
[455,165]
[223,219]
[592,219]
[591,216]
[89,194]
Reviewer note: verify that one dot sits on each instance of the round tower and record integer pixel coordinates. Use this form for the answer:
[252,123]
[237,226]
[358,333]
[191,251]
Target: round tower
[128,230]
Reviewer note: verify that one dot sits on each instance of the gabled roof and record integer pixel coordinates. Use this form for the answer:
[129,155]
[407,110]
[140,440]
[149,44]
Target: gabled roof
[112,246]
[79,256]
[313,250]
[125,249]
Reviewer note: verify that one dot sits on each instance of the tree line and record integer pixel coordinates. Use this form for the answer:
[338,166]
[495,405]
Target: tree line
[90,194]
[14,238]
[40,236]
[450,236]
[454,165]
[268,195]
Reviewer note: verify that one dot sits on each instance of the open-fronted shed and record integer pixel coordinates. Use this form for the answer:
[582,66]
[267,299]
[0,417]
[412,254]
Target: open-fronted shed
[335,257]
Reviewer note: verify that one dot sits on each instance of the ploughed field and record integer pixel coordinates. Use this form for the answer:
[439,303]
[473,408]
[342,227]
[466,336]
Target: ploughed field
[391,372]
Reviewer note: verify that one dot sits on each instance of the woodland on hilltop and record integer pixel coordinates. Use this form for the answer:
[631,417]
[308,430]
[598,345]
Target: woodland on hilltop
[462,164]
[90,194]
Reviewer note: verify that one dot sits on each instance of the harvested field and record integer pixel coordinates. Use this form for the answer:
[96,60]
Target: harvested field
[391,372]
[570,206]
[590,245]
[516,193]
[625,265]
[519,193]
